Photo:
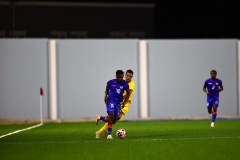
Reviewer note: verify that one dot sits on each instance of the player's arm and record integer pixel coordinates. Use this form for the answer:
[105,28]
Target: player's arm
[220,89]
[124,95]
[106,94]
[130,92]
[126,98]
[205,89]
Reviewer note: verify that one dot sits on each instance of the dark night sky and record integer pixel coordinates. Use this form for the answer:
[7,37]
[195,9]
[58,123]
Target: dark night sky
[129,18]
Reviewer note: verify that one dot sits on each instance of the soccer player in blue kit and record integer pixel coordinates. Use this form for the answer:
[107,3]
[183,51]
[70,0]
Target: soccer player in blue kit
[113,99]
[212,87]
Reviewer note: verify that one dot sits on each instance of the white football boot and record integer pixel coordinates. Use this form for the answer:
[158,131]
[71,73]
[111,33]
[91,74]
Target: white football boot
[109,136]
[97,135]
[212,124]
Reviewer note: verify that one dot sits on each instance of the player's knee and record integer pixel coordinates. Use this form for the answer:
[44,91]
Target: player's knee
[215,109]
[110,118]
[111,115]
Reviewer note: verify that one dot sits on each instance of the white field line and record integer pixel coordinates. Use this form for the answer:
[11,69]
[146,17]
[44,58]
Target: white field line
[38,125]
[136,140]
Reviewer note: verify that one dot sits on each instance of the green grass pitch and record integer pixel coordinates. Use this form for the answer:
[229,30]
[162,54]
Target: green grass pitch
[155,140]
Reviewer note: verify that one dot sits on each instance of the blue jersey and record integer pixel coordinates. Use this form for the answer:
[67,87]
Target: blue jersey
[212,86]
[116,90]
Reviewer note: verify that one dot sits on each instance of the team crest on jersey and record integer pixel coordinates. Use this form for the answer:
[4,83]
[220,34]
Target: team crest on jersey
[121,87]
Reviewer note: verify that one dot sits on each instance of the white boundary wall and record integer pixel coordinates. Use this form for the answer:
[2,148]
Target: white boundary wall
[238,77]
[142,57]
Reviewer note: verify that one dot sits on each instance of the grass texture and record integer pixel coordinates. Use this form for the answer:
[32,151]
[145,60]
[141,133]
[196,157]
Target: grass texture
[155,140]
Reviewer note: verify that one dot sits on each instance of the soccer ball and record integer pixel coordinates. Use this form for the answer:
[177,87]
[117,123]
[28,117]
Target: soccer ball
[121,133]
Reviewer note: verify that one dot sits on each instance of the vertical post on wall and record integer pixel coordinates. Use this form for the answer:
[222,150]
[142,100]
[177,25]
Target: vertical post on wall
[52,63]
[238,82]
[143,88]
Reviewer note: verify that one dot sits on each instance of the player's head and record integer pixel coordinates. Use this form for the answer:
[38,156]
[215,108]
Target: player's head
[213,74]
[119,75]
[128,75]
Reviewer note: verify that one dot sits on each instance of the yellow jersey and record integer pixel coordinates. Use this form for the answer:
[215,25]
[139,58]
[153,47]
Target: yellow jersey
[131,87]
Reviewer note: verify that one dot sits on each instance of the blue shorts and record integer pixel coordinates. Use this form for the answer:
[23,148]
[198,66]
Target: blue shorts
[212,102]
[113,107]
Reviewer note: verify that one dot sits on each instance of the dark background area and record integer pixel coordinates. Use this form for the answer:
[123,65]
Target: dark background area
[119,19]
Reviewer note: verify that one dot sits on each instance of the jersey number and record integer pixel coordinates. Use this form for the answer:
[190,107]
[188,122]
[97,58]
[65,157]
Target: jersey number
[213,87]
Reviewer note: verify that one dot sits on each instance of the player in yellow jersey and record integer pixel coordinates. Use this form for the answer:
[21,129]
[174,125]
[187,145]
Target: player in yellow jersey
[125,108]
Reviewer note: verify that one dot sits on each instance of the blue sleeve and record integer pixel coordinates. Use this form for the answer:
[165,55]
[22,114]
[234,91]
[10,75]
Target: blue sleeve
[220,83]
[109,83]
[205,83]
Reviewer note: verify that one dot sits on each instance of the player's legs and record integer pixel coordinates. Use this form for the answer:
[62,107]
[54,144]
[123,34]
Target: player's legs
[214,112]
[110,111]
[116,113]
[110,106]
[110,123]
[123,112]
[99,117]
[100,132]
[214,115]
[105,119]
[210,108]
[113,109]
[104,127]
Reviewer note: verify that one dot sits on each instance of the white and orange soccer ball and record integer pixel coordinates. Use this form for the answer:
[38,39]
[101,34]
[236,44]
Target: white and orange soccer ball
[121,133]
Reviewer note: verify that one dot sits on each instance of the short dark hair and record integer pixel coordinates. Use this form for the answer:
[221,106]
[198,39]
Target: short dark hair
[119,72]
[129,71]
[213,71]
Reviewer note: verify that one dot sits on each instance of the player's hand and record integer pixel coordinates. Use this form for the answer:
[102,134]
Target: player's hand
[122,105]
[208,93]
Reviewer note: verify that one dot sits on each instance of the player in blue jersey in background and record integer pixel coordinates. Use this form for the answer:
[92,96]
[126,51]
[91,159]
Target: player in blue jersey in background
[113,99]
[212,87]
